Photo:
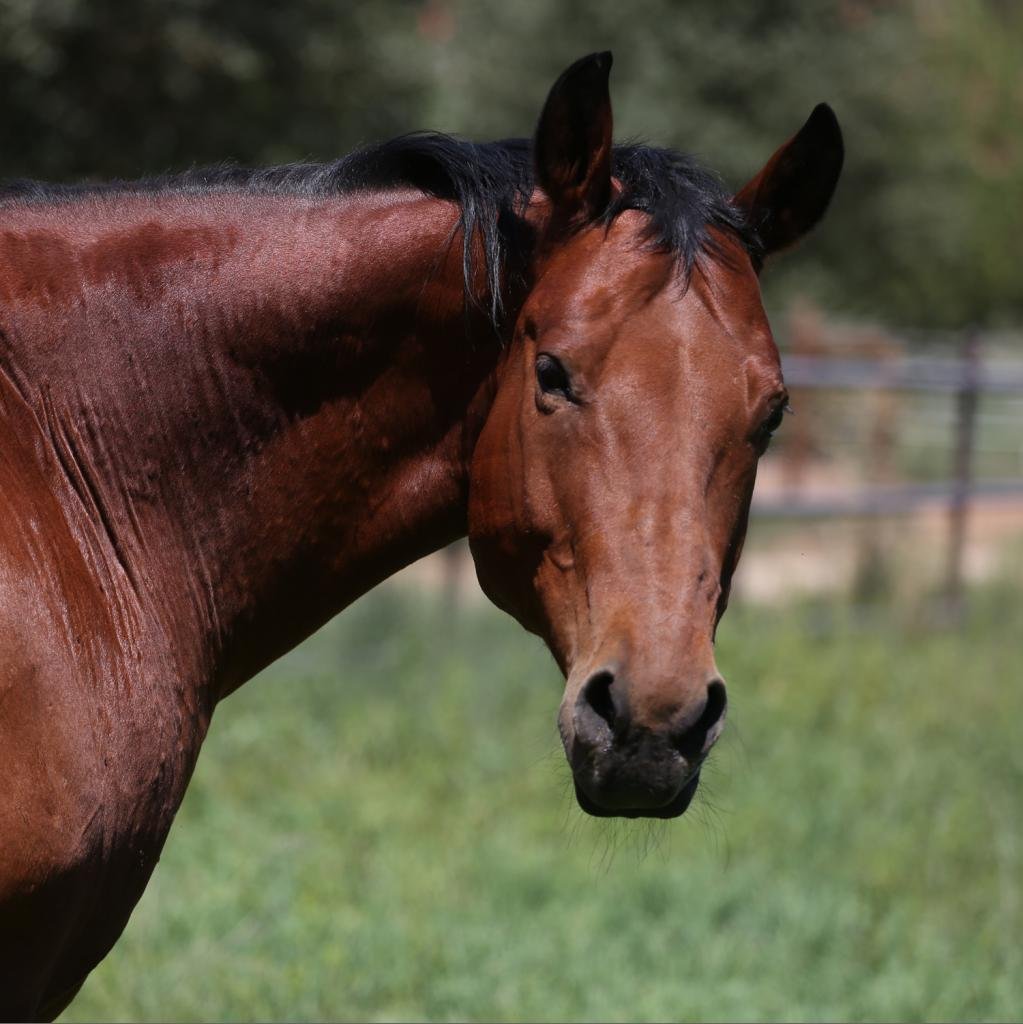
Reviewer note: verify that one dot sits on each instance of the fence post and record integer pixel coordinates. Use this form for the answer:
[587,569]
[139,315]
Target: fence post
[873,575]
[966,419]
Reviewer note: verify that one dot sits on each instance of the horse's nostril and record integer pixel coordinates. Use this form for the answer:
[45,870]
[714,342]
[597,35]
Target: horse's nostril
[695,738]
[714,709]
[597,695]
[599,713]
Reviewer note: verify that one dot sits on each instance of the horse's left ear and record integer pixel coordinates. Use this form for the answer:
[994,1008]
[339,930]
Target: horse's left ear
[789,196]
[572,146]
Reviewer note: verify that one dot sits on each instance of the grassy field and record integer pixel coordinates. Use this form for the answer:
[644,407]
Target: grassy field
[381,827]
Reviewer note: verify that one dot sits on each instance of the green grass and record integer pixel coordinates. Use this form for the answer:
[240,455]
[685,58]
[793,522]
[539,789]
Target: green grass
[381,827]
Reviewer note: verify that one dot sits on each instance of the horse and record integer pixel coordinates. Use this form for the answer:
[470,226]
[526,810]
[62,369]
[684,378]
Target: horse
[232,401]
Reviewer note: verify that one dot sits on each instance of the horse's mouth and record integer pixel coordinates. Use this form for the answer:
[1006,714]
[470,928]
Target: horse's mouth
[672,809]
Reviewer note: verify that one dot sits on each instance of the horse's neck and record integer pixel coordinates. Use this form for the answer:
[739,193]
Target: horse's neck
[272,407]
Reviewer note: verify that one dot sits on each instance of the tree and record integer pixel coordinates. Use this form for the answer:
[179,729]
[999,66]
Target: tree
[925,226]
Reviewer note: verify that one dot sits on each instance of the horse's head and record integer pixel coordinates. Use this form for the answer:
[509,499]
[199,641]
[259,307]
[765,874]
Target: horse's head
[612,481]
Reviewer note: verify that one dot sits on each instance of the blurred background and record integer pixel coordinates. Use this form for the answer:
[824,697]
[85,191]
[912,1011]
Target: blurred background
[381,826]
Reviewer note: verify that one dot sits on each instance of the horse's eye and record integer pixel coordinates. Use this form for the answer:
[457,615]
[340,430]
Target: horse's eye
[773,422]
[552,377]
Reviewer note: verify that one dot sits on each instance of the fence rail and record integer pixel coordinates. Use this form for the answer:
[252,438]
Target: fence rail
[906,373]
[881,500]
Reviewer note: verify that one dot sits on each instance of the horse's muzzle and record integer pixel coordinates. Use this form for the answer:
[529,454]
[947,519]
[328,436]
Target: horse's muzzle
[672,809]
[627,769]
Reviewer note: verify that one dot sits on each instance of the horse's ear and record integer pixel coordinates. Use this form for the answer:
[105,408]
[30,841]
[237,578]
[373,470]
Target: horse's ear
[789,196]
[572,146]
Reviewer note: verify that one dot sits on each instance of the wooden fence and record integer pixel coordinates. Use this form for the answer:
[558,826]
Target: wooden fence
[965,379]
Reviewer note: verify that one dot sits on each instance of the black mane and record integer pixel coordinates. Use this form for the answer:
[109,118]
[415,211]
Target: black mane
[491,183]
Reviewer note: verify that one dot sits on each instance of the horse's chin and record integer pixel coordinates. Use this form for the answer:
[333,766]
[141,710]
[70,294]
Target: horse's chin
[673,809]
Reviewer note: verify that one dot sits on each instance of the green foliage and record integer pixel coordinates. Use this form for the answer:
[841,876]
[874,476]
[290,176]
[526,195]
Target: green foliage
[98,88]
[926,225]
[979,42]
[381,827]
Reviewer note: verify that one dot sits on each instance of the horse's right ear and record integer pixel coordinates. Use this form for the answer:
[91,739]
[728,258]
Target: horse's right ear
[572,146]
[793,190]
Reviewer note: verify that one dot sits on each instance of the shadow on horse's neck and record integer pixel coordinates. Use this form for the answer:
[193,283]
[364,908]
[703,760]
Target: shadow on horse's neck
[275,411]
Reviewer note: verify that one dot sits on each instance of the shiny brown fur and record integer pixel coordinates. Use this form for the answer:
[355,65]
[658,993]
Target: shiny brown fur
[223,418]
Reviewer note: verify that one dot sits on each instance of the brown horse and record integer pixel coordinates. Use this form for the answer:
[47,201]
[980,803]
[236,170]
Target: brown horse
[233,401]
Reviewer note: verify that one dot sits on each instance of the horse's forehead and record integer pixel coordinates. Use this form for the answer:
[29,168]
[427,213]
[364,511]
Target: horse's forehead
[610,284]
[602,273]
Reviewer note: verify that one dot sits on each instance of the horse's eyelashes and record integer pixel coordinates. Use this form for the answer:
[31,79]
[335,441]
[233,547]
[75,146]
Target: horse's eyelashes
[552,377]
[774,421]
[770,425]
